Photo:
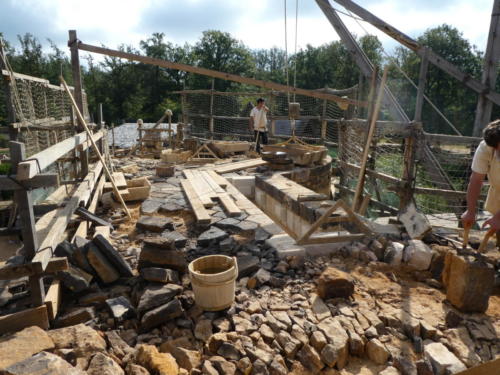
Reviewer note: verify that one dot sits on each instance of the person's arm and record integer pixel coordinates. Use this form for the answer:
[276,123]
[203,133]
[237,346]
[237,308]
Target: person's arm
[473,192]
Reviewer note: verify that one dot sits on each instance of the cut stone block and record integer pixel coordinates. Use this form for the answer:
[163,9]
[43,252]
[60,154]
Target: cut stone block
[468,283]
[160,275]
[113,256]
[161,314]
[155,257]
[154,223]
[107,273]
[442,360]
[334,283]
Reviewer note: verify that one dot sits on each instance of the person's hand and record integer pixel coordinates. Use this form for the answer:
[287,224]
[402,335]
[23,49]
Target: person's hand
[468,218]
[493,223]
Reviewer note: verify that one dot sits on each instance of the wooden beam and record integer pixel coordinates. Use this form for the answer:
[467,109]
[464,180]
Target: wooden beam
[75,70]
[36,316]
[12,272]
[363,62]
[490,71]
[53,299]
[81,231]
[87,144]
[51,227]
[41,160]
[96,149]
[412,44]
[452,139]
[364,158]
[216,74]
[39,181]
[422,79]
[229,205]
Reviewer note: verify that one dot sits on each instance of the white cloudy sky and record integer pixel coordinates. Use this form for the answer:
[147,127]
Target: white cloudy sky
[258,23]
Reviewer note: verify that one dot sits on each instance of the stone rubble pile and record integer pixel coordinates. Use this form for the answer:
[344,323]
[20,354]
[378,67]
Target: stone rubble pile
[129,308]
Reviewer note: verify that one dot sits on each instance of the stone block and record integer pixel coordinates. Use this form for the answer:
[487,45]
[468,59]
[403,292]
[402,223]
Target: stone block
[120,308]
[154,223]
[104,269]
[23,344]
[468,283]
[43,363]
[160,275]
[333,283]
[442,360]
[155,257]
[161,314]
[156,295]
[113,256]
[394,253]
[418,255]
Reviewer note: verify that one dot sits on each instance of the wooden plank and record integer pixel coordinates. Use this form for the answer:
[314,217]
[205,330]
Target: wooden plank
[364,158]
[239,165]
[229,205]
[89,216]
[452,139]
[39,181]
[201,214]
[219,180]
[324,237]
[422,79]
[202,189]
[95,148]
[488,368]
[434,58]
[209,180]
[52,226]
[53,299]
[36,316]
[87,144]
[29,169]
[12,272]
[216,74]
[120,181]
[81,231]
[76,72]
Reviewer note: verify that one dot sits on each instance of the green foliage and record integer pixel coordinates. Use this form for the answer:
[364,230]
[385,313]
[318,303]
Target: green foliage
[130,90]
[456,101]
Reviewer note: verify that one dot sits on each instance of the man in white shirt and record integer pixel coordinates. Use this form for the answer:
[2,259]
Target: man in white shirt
[258,123]
[486,162]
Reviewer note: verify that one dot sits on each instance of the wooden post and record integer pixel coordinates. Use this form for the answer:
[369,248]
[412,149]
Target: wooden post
[272,130]
[170,131]
[100,119]
[490,71]
[422,79]
[211,121]
[75,68]
[323,121]
[407,190]
[24,201]
[371,131]
[94,146]
[113,137]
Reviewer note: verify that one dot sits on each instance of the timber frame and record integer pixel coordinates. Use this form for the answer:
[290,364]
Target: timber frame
[41,233]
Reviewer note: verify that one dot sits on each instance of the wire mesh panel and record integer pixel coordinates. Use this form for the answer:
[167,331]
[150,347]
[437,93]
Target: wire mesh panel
[226,114]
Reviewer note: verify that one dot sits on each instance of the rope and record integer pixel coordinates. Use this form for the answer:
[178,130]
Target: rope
[395,62]
[295,53]
[286,53]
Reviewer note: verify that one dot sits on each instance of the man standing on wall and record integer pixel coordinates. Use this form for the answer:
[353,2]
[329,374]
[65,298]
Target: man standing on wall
[258,123]
[486,162]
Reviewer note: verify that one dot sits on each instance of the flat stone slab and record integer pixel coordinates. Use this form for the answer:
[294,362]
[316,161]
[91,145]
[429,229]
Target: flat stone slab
[150,206]
[211,236]
[177,238]
[120,307]
[154,223]
[43,363]
[156,295]
[161,314]
[160,275]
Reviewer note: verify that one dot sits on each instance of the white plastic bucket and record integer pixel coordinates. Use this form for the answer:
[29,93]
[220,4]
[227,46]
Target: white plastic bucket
[213,280]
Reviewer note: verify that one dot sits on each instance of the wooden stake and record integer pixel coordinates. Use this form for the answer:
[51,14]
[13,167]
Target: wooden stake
[364,158]
[96,149]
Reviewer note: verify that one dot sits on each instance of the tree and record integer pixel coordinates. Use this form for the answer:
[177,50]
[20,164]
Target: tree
[217,50]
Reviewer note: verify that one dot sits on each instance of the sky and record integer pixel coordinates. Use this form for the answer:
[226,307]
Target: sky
[257,23]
